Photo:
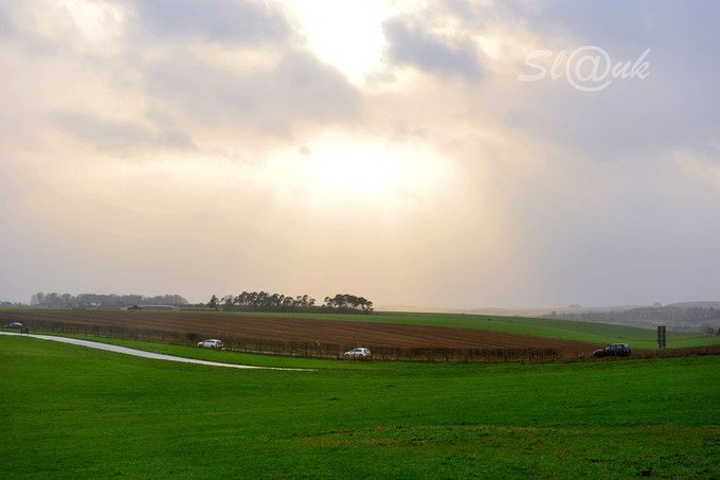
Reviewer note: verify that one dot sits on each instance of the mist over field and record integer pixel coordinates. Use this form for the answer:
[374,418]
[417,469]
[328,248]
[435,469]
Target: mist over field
[428,154]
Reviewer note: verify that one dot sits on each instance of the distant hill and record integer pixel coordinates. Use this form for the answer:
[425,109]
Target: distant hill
[415,309]
[679,317]
[474,311]
[695,304]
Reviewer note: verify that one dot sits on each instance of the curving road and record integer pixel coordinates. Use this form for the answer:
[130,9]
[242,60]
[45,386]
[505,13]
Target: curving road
[141,353]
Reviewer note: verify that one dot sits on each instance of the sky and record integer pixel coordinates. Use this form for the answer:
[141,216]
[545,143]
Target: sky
[456,154]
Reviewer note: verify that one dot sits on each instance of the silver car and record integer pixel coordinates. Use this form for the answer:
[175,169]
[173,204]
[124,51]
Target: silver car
[358,353]
[211,343]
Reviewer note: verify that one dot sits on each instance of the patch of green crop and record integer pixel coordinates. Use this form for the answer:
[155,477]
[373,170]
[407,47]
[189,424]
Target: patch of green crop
[543,327]
[74,412]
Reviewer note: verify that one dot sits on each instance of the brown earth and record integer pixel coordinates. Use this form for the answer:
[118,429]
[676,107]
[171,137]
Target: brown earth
[343,333]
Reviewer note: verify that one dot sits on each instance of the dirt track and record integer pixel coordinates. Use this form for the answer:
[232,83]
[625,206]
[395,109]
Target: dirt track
[208,324]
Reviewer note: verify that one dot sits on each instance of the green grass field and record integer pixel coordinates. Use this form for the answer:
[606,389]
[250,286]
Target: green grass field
[73,412]
[542,327]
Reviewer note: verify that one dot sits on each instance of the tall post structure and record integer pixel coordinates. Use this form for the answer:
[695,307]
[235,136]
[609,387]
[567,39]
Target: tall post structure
[661,337]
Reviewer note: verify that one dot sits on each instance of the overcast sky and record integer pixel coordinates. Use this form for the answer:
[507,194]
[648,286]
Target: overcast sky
[443,154]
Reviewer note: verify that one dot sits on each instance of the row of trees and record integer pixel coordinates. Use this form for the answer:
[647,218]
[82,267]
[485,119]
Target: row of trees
[66,300]
[343,300]
[264,301]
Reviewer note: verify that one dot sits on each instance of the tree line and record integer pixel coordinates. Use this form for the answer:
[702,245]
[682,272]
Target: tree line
[276,302]
[83,300]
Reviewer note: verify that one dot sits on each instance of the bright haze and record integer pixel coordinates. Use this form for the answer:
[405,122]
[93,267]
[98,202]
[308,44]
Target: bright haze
[451,154]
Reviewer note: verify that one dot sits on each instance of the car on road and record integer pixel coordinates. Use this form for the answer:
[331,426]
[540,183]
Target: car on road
[613,350]
[358,353]
[211,343]
[14,325]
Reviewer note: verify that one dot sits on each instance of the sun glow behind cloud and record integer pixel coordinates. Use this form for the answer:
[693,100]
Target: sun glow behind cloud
[360,168]
[341,169]
[346,34]
[332,172]
[101,23]
[372,168]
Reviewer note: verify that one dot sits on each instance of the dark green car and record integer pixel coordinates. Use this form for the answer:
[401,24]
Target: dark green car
[614,350]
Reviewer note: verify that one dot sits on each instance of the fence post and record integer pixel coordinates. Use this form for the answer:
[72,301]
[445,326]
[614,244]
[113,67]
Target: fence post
[661,337]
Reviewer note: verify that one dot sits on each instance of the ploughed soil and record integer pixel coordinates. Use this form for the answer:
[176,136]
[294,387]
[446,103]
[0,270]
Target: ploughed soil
[340,332]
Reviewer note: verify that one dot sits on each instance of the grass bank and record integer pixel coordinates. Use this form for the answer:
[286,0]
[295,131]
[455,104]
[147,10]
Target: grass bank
[75,412]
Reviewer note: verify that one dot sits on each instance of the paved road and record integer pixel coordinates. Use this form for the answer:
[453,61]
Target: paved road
[140,353]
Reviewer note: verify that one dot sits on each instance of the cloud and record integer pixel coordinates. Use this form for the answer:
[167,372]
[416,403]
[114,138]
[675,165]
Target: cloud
[703,165]
[411,44]
[122,137]
[663,21]
[273,100]
[178,78]
[234,21]
[6,25]
[675,107]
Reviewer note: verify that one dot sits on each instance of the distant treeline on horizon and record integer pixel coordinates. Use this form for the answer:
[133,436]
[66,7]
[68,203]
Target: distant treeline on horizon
[276,302]
[82,300]
[248,301]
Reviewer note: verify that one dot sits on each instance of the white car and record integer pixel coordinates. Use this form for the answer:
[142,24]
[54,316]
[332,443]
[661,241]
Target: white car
[211,343]
[358,353]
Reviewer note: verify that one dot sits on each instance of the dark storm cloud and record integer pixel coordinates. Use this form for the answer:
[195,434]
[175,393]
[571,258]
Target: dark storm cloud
[411,45]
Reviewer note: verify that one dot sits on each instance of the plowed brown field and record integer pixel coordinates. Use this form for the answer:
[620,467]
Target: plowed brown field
[219,325]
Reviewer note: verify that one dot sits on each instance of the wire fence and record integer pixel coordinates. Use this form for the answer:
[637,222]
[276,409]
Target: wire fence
[315,349]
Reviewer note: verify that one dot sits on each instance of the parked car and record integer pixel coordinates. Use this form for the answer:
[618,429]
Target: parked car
[211,343]
[358,353]
[14,325]
[613,350]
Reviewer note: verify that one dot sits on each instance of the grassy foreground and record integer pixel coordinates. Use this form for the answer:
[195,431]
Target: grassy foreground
[73,412]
